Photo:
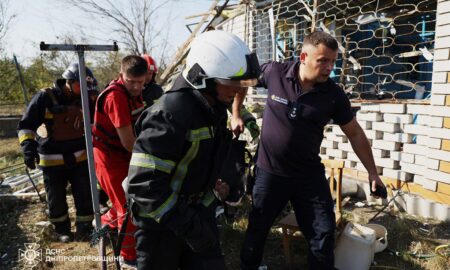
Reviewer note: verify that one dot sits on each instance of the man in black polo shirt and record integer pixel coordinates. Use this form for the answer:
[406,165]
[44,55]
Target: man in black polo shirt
[301,101]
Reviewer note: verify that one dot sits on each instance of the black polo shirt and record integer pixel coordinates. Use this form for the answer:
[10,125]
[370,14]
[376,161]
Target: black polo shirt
[293,120]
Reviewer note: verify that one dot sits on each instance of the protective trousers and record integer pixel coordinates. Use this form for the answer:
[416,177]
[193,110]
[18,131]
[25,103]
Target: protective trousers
[110,176]
[312,202]
[161,249]
[55,181]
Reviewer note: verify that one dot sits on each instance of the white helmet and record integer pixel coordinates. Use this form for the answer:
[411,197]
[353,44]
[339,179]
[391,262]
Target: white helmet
[222,56]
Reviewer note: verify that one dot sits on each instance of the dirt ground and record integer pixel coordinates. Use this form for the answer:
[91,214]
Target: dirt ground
[411,240]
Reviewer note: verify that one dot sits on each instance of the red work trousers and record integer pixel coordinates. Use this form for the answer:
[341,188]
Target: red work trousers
[111,169]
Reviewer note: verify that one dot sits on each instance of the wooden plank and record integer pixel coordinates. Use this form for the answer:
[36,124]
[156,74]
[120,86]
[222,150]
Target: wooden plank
[182,52]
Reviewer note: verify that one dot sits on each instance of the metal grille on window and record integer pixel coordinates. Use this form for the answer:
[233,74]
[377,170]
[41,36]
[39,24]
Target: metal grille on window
[385,46]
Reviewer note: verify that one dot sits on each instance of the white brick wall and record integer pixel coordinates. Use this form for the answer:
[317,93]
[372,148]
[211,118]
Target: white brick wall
[385,145]
[443,7]
[397,137]
[387,127]
[442,133]
[438,176]
[434,143]
[338,131]
[370,108]
[414,149]
[386,163]
[353,157]
[402,156]
[418,109]
[365,124]
[336,153]
[440,77]
[425,183]
[441,54]
[380,153]
[373,134]
[329,144]
[391,130]
[398,118]
[437,99]
[441,88]
[415,129]
[412,168]
[438,154]
[393,108]
[345,147]
[431,121]
[360,167]
[369,116]
[397,174]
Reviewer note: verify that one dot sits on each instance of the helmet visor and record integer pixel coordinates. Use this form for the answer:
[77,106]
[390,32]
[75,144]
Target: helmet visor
[237,83]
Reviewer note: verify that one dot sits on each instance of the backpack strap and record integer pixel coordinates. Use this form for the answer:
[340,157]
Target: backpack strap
[49,92]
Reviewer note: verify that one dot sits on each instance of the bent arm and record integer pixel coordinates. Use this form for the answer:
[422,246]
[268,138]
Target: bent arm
[362,148]
[237,123]
[127,137]
[360,144]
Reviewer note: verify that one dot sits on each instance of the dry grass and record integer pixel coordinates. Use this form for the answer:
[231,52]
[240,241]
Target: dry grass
[10,152]
[412,238]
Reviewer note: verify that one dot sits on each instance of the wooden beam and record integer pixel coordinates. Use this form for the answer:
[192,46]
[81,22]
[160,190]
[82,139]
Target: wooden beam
[183,50]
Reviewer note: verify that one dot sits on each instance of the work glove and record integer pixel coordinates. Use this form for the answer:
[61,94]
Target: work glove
[30,154]
[253,128]
[379,192]
[186,222]
[200,238]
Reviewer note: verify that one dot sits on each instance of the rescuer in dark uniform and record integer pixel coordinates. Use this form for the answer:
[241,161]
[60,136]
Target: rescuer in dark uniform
[59,149]
[174,169]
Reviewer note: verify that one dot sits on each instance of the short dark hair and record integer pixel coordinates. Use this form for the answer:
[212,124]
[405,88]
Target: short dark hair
[133,65]
[319,37]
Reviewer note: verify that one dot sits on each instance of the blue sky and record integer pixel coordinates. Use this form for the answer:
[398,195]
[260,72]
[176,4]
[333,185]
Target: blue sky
[49,20]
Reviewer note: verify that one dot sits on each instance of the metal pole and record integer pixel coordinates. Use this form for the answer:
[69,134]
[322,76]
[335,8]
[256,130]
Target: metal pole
[80,49]
[88,136]
[22,83]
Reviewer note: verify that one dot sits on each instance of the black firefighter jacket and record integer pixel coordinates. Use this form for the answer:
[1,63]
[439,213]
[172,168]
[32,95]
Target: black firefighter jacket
[43,110]
[176,161]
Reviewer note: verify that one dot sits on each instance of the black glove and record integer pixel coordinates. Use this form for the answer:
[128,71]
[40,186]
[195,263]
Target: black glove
[186,222]
[200,237]
[30,154]
[379,192]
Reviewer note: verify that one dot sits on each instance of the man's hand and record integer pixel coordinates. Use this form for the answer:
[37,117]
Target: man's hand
[31,159]
[237,125]
[377,188]
[221,189]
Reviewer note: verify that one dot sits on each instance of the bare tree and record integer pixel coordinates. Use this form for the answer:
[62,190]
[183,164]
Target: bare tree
[5,18]
[133,20]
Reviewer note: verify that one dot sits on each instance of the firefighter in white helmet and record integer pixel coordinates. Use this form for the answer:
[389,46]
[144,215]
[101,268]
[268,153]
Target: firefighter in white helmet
[174,170]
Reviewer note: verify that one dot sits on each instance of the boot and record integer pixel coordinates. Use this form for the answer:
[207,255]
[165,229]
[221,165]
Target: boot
[84,231]
[62,231]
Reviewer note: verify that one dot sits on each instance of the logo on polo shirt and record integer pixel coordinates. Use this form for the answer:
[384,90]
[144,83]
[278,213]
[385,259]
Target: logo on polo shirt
[279,100]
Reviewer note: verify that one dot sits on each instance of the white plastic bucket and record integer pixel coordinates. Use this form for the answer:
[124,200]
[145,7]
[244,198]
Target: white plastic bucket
[355,248]
[380,236]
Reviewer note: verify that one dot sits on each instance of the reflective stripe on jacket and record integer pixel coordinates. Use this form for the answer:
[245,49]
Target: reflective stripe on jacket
[177,156]
[41,110]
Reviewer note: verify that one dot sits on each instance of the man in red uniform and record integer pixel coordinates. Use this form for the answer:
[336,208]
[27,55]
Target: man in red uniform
[117,109]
